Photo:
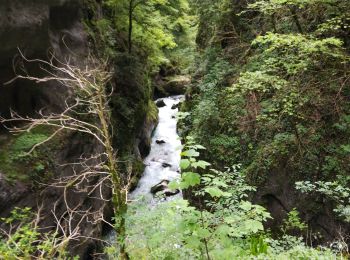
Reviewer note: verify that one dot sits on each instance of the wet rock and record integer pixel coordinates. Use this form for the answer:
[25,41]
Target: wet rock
[169,193]
[173,117]
[160,142]
[160,103]
[163,189]
[165,165]
[11,193]
[175,106]
[163,185]
[176,85]
[144,139]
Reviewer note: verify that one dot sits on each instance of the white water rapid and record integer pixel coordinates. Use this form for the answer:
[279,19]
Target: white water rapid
[163,162]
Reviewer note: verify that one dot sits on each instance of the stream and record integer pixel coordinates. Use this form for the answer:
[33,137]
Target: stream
[163,162]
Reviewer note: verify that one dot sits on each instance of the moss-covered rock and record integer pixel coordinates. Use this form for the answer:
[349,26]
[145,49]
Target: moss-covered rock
[19,163]
[171,85]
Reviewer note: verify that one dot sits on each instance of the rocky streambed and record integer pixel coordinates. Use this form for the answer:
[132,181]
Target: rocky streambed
[162,163]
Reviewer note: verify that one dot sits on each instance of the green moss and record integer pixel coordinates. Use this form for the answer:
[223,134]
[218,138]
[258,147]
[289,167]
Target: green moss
[138,168]
[17,164]
[152,111]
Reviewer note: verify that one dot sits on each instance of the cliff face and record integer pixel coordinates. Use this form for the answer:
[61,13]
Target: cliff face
[36,28]
[40,28]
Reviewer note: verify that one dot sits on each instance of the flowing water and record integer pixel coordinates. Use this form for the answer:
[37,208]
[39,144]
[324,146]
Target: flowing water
[163,162]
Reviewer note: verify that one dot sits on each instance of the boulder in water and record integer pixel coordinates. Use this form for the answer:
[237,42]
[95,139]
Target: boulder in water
[163,185]
[175,106]
[160,103]
[169,193]
[160,142]
[165,165]
[163,189]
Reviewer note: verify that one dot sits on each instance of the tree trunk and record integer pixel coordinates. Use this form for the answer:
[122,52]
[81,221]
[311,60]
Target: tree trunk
[119,193]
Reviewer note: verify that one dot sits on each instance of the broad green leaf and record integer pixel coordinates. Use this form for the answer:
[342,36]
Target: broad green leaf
[193,242]
[203,233]
[199,147]
[190,179]
[253,225]
[222,230]
[214,191]
[184,164]
[201,164]
[190,153]
[206,179]
[246,205]
[173,185]
[219,183]
[231,219]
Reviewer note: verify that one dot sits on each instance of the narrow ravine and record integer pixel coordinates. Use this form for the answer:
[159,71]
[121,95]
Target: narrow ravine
[162,164]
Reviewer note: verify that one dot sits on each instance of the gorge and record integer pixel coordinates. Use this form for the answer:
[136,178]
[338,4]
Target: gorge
[176,129]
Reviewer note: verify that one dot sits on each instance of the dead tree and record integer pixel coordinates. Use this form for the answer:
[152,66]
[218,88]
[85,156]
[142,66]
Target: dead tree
[90,100]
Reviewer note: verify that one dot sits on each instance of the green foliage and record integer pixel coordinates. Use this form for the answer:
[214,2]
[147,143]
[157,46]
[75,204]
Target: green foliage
[291,54]
[258,245]
[174,230]
[230,219]
[24,143]
[331,190]
[226,226]
[188,165]
[152,111]
[225,148]
[334,25]
[211,14]
[18,164]
[207,115]
[105,37]
[273,6]
[271,91]
[293,222]
[274,97]
[286,15]
[24,241]
[157,25]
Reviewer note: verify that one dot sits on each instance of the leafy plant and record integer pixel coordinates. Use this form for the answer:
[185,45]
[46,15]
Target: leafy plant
[226,225]
[332,190]
[23,240]
[293,222]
